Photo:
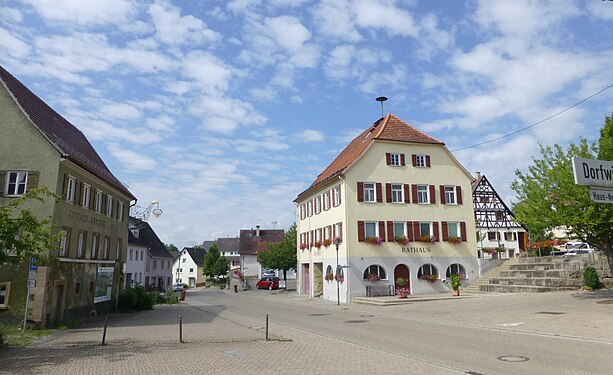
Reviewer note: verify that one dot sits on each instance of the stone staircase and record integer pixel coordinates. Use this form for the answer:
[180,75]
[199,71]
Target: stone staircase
[532,275]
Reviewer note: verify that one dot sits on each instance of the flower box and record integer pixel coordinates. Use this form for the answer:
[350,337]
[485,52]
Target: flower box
[429,278]
[427,238]
[372,277]
[374,240]
[454,240]
[326,243]
[402,240]
[317,244]
[340,278]
[329,277]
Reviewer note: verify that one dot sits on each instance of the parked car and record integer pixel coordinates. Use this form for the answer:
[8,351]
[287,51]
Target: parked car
[269,283]
[177,287]
[268,273]
[574,248]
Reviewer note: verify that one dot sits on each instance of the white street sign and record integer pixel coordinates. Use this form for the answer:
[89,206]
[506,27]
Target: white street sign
[592,172]
[601,196]
[31,283]
[32,275]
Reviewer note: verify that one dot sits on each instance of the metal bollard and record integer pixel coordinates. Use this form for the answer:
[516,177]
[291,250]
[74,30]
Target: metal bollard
[266,327]
[104,331]
[181,328]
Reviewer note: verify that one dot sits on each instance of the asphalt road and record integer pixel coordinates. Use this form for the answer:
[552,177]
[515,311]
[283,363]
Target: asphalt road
[553,333]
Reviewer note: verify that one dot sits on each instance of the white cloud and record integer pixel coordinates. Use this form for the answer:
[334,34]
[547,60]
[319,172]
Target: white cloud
[335,19]
[310,135]
[601,10]
[120,111]
[172,28]
[163,123]
[393,20]
[132,159]
[85,12]
[12,45]
[210,73]
[288,32]
[10,14]
[377,81]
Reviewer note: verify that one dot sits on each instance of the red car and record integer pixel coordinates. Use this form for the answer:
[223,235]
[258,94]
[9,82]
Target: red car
[269,283]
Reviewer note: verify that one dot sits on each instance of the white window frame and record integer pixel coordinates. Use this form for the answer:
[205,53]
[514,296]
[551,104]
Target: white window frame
[105,249]
[397,193]
[370,192]
[395,160]
[337,195]
[118,249]
[154,264]
[327,233]
[450,197]
[368,224]
[310,208]
[404,229]
[421,226]
[81,244]
[420,161]
[99,199]
[455,269]
[375,269]
[457,227]
[21,181]
[317,204]
[423,194]
[64,242]
[86,195]
[109,205]
[337,231]
[71,189]
[326,201]
[427,269]
[121,213]
[95,241]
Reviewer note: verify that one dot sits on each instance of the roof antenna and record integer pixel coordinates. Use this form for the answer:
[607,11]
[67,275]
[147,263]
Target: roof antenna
[381,99]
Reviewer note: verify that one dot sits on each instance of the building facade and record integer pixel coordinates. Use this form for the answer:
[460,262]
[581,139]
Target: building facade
[187,268]
[40,148]
[396,202]
[135,261]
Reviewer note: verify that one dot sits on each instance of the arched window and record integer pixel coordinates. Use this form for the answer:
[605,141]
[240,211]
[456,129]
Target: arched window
[329,270]
[455,269]
[426,271]
[375,270]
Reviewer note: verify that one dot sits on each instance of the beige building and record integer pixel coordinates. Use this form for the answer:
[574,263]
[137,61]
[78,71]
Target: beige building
[38,147]
[399,205]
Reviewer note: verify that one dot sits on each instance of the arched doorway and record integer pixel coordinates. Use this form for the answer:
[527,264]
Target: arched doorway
[402,271]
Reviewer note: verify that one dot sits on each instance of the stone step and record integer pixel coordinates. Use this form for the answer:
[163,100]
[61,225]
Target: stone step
[532,273]
[536,266]
[532,281]
[519,288]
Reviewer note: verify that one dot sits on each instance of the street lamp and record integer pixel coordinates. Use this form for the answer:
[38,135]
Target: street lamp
[337,242]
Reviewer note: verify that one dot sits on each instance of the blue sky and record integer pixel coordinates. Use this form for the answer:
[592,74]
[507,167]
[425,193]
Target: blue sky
[225,110]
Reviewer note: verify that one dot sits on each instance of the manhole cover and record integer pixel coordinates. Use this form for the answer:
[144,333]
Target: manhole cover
[551,313]
[356,321]
[513,358]
[317,314]
[606,302]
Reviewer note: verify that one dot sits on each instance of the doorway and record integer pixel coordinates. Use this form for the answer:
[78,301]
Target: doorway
[402,271]
[306,279]
[58,304]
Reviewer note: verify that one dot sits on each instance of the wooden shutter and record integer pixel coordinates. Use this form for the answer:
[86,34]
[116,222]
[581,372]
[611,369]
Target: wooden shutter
[379,192]
[382,230]
[410,235]
[360,192]
[435,230]
[432,195]
[416,230]
[414,160]
[340,231]
[428,161]
[390,231]
[442,194]
[388,158]
[32,180]
[407,193]
[414,193]
[91,197]
[458,193]
[388,193]
[65,186]
[402,161]
[2,181]
[463,231]
[361,232]
[445,231]
[79,194]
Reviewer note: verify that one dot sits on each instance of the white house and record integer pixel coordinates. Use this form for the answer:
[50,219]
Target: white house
[135,261]
[187,267]
[399,204]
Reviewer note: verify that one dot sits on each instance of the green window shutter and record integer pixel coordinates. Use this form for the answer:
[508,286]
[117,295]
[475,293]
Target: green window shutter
[65,186]
[2,181]
[32,180]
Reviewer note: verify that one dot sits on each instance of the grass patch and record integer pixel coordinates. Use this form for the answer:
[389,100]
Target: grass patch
[13,335]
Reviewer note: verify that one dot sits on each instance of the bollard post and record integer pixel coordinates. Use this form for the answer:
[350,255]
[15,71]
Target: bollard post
[104,331]
[266,327]
[181,328]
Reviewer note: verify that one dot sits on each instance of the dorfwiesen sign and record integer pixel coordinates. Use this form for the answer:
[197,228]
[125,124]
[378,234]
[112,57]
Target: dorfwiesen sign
[593,173]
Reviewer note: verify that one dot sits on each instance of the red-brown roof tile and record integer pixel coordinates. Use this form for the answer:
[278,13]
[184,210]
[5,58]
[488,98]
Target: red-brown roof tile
[69,140]
[388,128]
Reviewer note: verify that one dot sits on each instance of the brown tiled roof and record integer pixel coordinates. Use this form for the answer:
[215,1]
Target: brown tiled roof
[69,140]
[388,128]
[249,243]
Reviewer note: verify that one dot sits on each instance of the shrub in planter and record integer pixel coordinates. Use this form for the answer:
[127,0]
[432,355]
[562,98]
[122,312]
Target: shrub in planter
[590,278]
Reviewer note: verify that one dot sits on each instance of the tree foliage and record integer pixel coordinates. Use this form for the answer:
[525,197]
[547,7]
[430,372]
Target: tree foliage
[549,198]
[214,263]
[22,233]
[171,247]
[282,255]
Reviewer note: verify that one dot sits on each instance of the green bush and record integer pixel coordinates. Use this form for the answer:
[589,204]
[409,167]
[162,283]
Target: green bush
[590,278]
[137,299]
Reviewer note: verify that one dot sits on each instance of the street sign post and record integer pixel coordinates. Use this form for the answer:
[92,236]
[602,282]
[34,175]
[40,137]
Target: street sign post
[31,284]
[601,196]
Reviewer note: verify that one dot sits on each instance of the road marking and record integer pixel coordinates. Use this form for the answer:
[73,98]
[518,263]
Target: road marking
[510,324]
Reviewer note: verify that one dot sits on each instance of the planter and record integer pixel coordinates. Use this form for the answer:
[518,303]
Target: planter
[456,293]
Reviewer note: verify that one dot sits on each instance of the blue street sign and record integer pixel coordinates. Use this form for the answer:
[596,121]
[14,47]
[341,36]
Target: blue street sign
[33,264]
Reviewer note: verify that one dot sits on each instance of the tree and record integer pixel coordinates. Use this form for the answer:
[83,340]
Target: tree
[282,255]
[24,235]
[214,263]
[171,247]
[548,196]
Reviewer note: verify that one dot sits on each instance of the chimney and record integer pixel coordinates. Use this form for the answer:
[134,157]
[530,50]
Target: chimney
[257,231]
[478,175]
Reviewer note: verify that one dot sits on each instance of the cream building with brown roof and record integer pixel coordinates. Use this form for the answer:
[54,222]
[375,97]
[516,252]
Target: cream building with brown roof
[399,204]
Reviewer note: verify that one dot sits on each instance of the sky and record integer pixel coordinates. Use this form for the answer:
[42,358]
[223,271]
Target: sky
[224,111]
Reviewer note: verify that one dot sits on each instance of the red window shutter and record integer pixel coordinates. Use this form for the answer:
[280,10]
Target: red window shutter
[388,193]
[458,193]
[463,231]
[360,192]
[428,161]
[407,193]
[382,230]
[410,236]
[402,162]
[332,199]
[414,193]
[445,231]
[416,230]
[435,230]
[414,159]
[442,193]
[390,231]
[432,197]
[379,193]
[340,230]
[361,234]
[388,158]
